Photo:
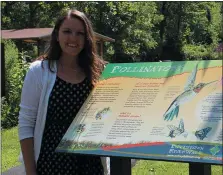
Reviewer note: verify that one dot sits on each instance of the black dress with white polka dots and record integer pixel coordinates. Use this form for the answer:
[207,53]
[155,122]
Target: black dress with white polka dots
[64,102]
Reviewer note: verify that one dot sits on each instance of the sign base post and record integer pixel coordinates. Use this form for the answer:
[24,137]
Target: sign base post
[199,169]
[120,166]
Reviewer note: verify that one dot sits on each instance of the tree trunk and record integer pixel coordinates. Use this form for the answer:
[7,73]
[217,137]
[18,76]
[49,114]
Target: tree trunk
[33,6]
[163,22]
[179,22]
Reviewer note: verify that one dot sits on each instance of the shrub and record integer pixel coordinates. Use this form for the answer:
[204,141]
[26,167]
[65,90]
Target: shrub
[200,52]
[15,70]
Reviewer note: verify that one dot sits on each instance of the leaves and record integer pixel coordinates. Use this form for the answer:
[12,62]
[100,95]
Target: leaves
[160,29]
[15,71]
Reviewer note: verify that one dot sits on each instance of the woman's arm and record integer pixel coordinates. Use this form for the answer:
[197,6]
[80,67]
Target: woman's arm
[28,156]
[30,98]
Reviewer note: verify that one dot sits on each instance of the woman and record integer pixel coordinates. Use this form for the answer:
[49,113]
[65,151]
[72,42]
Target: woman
[54,89]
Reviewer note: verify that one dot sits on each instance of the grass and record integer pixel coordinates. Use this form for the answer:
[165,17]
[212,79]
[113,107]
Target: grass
[142,167]
[11,149]
[168,168]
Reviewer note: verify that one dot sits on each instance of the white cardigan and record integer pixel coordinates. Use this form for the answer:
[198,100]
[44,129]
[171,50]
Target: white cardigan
[36,90]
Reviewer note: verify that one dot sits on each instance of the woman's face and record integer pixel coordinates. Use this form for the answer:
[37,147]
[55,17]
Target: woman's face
[71,37]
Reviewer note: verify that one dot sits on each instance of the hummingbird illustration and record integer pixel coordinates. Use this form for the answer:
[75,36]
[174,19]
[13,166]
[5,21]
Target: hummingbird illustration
[190,91]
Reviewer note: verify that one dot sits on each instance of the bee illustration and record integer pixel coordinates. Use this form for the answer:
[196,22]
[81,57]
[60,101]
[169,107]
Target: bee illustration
[80,128]
[102,113]
[175,131]
[201,134]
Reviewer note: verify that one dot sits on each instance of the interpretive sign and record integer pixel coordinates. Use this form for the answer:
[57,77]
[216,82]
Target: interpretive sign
[161,110]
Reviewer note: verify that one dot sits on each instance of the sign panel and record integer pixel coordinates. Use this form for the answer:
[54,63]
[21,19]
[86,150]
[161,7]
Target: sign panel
[161,110]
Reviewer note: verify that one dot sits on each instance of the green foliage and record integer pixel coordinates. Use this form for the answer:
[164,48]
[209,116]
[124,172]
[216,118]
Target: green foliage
[15,70]
[109,52]
[168,168]
[195,52]
[191,27]
[143,33]
[131,24]
[203,21]
[31,14]
[161,29]
[200,52]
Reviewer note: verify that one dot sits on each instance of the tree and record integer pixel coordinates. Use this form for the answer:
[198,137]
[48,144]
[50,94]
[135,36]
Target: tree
[189,30]
[160,30]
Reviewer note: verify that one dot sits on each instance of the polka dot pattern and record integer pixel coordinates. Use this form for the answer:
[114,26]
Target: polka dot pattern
[64,103]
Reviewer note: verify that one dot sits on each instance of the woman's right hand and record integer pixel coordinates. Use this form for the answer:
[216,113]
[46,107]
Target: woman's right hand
[27,148]
[31,173]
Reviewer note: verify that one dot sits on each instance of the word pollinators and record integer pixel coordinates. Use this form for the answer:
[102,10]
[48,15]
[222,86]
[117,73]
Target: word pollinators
[122,69]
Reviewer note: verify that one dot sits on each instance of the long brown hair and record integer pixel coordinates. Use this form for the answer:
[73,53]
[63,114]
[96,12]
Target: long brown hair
[87,59]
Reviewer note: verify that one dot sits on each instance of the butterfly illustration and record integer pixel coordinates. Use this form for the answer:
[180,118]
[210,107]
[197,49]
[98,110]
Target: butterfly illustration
[175,131]
[201,134]
[80,128]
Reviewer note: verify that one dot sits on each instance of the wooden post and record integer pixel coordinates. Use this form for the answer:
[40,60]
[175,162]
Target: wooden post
[2,70]
[199,169]
[38,47]
[120,166]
